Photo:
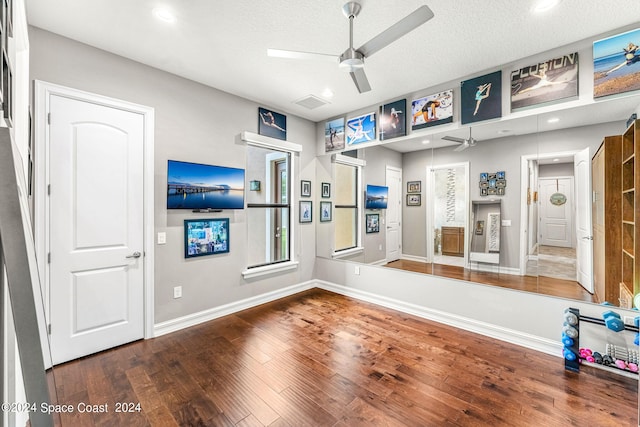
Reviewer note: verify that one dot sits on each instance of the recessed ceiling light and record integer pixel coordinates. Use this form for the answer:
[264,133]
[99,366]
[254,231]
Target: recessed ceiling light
[556,160]
[164,15]
[553,120]
[328,93]
[544,5]
[425,141]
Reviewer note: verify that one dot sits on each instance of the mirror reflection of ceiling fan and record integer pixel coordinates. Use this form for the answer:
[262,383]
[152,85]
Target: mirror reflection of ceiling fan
[352,59]
[464,143]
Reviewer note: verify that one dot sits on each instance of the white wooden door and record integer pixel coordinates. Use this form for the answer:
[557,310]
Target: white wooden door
[584,236]
[556,220]
[95,226]
[393,215]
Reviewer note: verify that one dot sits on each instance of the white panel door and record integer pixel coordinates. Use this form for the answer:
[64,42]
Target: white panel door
[556,225]
[393,215]
[584,236]
[96,227]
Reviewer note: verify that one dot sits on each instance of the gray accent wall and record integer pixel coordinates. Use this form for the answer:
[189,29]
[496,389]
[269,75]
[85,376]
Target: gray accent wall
[193,123]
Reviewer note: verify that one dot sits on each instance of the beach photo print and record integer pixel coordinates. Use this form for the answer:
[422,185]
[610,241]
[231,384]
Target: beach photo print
[616,64]
[334,135]
[432,110]
[481,98]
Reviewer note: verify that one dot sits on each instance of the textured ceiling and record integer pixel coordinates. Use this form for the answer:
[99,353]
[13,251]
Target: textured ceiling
[223,44]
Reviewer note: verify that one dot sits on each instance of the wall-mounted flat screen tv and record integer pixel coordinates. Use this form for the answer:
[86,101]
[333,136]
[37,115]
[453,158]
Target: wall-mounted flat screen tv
[376,197]
[205,187]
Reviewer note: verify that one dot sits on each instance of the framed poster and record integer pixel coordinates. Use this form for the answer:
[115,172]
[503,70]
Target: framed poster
[272,124]
[325,211]
[305,211]
[481,98]
[616,64]
[372,223]
[326,190]
[205,237]
[393,120]
[432,110]
[305,188]
[334,135]
[361,129]
[414,186]
[547,81]
[414,199]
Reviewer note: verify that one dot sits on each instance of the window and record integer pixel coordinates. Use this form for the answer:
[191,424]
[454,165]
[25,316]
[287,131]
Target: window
[269,176]
[348,202]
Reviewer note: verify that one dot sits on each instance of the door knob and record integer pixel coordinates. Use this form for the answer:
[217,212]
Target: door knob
[136,254]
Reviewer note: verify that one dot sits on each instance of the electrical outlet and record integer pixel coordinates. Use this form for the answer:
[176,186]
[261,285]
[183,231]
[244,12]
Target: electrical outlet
[357,270]
[380,247]
[628,320]
[162,238]
[177,292]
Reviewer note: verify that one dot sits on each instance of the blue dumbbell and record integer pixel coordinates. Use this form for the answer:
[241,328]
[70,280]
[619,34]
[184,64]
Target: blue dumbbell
[569,355]
[613,321]
[636,340]
[636,321]
[567,341]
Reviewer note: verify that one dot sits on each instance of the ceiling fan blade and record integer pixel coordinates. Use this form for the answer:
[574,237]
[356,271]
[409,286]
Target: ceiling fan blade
[397,30]
[462,146]
[292,54]
[454,139]
[360,79]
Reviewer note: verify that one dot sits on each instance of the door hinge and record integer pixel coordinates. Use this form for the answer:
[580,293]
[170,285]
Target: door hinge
[48,189]
[48,257]
[48,118]
[49,328]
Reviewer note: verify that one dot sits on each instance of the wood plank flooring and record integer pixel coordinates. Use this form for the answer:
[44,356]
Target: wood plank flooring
[322,359]
[537,284]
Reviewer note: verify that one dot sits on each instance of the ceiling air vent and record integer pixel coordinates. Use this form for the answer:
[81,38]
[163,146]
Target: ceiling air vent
[311,102]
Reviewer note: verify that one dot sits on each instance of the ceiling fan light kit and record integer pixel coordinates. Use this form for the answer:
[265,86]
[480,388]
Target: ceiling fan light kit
[352,60]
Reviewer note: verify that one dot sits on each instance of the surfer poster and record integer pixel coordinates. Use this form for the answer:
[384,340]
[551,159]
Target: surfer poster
[544,82]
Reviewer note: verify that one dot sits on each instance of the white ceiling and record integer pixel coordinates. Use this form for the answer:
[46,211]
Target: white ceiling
[223,44]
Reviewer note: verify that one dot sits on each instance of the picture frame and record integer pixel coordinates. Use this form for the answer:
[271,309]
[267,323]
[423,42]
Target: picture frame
[479,231]
[613,64]
[305,188]
[325,212]
[393,120]
[481,98]
[325,190]
[414,186]
[334,135]
[204,237]
[306,211]
[414,199]
[254,185]
[545,82]
[272,124]
[432,110]
[361,129]
[372,223]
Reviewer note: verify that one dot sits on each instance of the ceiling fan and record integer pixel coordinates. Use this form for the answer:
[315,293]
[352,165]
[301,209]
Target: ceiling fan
[464,143]
[353,59]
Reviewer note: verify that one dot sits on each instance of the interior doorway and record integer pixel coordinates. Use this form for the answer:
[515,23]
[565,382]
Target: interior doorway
[447,214]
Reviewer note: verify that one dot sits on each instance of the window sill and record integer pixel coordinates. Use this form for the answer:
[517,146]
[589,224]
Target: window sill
[347,252]
[269,269]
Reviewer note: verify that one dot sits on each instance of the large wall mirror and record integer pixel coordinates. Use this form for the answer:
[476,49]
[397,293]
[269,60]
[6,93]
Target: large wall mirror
[538,170]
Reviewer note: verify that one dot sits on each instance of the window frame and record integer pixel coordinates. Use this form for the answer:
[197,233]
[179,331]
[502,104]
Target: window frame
[359,164]
[260,141]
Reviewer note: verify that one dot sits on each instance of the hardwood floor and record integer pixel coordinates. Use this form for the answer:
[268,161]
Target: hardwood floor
[538,284]
[322,359]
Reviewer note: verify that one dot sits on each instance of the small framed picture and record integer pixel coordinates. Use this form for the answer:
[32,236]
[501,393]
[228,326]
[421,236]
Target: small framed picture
[326,190]
[500,175]
[254,185]
[325,211]
[479,228]
[500,191]
[373,223]
[484,191]
[414,199]
[305,211]
[414,186]
[305,188]
[484,176]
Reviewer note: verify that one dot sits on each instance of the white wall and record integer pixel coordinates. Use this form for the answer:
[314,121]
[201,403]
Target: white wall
[193,123]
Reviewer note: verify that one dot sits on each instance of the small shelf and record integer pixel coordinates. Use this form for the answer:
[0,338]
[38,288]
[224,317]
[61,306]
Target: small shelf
[630,175]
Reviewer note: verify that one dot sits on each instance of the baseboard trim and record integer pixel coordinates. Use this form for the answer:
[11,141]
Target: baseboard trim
[413,258]
[179,323]
[379,262]
[491,268]
[493,331]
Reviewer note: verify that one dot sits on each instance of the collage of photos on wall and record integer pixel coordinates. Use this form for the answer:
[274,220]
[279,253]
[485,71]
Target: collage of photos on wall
[616,64]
